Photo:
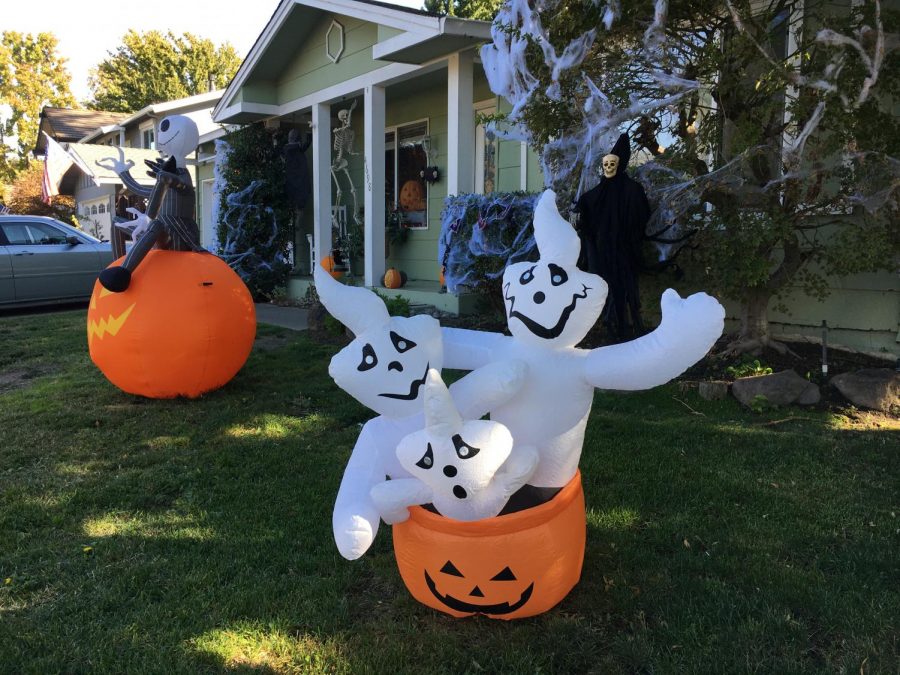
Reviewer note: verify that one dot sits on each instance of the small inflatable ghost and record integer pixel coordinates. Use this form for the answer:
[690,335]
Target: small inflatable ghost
[454,463]
[550,307]
[385,368]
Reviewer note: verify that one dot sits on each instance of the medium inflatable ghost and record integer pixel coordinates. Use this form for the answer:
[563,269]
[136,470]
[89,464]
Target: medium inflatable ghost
[454,463]
[550,306]
[385,368]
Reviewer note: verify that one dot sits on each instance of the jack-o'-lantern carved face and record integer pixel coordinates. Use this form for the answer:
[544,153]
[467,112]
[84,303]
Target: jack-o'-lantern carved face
[500,594]
[385,367]
[106,322]
[552,302]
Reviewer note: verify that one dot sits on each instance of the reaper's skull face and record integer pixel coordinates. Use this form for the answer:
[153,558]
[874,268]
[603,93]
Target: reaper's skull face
[385,367]
[449,455]
[610,165]
[178,136]
[550,304]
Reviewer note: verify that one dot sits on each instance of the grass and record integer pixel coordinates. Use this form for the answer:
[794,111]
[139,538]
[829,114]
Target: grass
[191,537]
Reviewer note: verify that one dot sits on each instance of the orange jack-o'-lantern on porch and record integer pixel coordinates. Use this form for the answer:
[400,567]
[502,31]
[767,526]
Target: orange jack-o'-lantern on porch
[412,196]
[506,567]
[184,327]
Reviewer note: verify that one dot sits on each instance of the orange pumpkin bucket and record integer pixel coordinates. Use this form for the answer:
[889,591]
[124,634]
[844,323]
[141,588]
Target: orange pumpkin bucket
[184,327]
[506,567]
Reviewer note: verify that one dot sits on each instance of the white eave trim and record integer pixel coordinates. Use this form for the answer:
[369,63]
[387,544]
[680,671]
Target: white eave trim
[393,18]
[101,131]
[447,25]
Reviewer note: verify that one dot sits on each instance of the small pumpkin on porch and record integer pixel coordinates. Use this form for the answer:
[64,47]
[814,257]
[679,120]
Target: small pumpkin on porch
[394,278]
[184,327]
[329,264]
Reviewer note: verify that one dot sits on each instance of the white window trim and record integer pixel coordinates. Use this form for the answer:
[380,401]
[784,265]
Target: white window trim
[396,197]
[146,126]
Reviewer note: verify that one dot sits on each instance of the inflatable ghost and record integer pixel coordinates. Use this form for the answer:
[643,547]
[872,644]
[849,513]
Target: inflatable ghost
[454,463]
[385,368]
[550,306]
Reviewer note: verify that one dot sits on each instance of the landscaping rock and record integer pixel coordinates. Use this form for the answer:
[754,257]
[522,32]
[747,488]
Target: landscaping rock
[714,390]
[875,388]
[781,388]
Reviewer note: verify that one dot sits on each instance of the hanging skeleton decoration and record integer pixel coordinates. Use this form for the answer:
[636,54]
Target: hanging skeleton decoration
[550,307]
[343,143]
[169,222]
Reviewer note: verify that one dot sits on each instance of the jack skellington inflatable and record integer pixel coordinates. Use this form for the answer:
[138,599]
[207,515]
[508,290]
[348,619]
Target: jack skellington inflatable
[455,464]
[550,307]
[169,222]
[385,368]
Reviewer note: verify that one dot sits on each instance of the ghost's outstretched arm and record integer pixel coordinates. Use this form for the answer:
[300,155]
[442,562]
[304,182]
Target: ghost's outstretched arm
[490,386]
[394,497]
[469,349]
[355,519]
[688,330]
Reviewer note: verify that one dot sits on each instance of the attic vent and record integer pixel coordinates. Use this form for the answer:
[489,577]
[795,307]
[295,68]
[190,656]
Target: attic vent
[334,41]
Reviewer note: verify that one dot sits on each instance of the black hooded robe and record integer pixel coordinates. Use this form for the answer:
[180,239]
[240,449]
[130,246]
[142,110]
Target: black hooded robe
[613,216]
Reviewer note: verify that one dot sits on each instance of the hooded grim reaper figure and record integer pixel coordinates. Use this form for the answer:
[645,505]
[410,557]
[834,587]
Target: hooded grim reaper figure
[613,216]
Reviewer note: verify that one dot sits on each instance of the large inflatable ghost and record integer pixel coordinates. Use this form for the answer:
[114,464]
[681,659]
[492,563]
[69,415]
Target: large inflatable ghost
[385,368]
[454,463]
[550,306]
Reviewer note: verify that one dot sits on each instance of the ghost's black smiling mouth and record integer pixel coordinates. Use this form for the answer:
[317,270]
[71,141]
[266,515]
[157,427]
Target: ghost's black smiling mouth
[461,606]
[534,326]
[414,387]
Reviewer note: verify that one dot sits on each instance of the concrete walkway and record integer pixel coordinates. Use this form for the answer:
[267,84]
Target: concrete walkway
[286,317]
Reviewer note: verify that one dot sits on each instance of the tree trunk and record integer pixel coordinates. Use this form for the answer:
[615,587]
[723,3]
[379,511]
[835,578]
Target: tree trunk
[754,334]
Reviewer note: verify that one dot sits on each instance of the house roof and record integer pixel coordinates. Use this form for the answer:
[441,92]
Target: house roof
[423,36]
[66,125]
[188,105]
[86,156]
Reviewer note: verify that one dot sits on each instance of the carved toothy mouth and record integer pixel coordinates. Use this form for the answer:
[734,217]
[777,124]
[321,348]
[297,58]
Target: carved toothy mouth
[414,387]
[462,606]
[534,326]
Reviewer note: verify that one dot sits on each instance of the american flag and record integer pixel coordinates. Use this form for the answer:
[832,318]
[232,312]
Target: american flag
[56,162]
[4,210]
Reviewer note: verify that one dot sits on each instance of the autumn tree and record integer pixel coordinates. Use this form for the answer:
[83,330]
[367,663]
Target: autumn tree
[153,67]
[766,128]
[32,75]
[25,196]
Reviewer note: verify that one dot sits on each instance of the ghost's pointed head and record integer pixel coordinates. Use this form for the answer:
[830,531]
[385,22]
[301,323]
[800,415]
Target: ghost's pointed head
[178,136]
[552,302]
[451,455]
[385,367]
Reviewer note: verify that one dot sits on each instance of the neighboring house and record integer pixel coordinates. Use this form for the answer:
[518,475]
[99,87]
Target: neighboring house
[414,86]
[98,191]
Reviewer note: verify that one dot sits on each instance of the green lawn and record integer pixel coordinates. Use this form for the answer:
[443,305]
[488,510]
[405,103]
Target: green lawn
[195,536]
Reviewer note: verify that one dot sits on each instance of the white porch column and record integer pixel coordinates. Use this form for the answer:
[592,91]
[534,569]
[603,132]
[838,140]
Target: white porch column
[460,124]
[373,130]
[321,120]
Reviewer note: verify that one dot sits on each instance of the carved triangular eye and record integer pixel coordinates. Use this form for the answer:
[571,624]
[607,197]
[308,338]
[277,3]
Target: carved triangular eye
[504,575]
[450,568]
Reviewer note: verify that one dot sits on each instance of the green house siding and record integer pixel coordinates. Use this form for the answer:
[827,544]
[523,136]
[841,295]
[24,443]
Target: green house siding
[311,70]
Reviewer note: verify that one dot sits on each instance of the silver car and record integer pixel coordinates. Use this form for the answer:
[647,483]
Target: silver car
[44,261]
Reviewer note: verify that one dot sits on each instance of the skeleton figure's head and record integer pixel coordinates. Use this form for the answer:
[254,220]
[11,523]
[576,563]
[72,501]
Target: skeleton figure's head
[452,456]
[177,137]
[385,367]
[610,165]
[344,117]
[551,302]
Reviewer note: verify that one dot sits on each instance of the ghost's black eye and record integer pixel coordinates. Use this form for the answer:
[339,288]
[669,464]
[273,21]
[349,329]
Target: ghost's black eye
[558,275]
[427,460]
[401,344]
[369,360]
[164,126]
[527,276]
[463,451]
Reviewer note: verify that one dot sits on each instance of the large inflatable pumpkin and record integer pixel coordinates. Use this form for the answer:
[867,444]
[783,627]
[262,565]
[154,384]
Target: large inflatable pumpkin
[184,327]
[506,567]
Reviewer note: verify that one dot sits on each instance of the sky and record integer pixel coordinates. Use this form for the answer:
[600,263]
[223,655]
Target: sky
[89,29]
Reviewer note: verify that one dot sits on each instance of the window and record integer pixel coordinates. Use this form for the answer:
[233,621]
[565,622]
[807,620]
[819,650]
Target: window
[406,192]
[101,208]
[33,233]
[94,210]
[148,138]
[17,233]
[486,151]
